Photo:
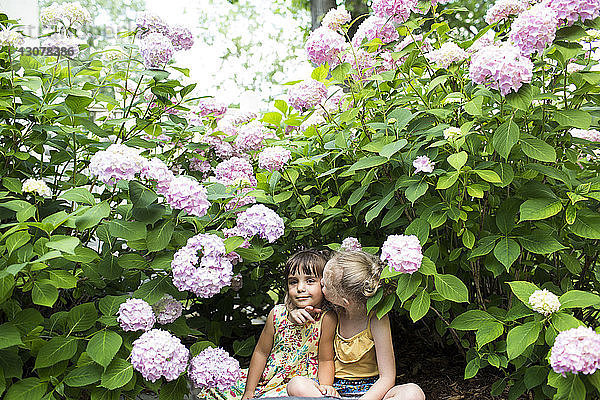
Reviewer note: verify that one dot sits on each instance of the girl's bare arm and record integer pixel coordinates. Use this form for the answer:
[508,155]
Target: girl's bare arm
[382,336]
[259,358]
[326,366]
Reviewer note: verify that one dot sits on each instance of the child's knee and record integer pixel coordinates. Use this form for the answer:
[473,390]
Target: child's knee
[296,385]
[413,392]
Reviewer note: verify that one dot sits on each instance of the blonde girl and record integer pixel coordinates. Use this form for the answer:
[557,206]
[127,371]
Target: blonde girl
[364,355]
[284,349]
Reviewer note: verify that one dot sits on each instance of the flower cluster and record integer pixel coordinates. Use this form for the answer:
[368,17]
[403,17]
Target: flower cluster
[452,133]
[363,62]
[402,253]
[67,14]
[217,143]
[306,94]
[158,353]
[335,18]
[205,275]
[214,368]
[12,38]
[148,23]
[592,134]
[534,29]
[181,37]
[576,350]
[447,54]
[252,136]
[423,164]
[505,8]
[273,158]
[112,53]
[572,10]
[324,45]
[262,221]
[351,244]
[209,106]
[375,27]
[488,39]
[167,309]
[187,194]
[501,67]
[544,302]
[135,315]
[37,186]
[156,50]
[235,171]
[398,9]
[155,169]
[58,42]
[116,163]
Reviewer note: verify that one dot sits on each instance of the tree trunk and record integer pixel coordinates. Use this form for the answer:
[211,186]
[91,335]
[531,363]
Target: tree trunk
[318,8]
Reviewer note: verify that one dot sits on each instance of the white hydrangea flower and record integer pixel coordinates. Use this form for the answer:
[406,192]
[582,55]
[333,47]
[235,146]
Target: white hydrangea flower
[544,302]
[10,38]
[452,133]
[37,186]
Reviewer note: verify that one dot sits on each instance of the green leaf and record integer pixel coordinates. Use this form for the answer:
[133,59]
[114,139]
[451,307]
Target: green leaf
[80,195]
[523,290]
[16,240]
[98,393]
[62,279]
[83,376]
[77,104]
[563,321]
[407,285]
[427,266]
[416,190]
[451,288]
[540,242]
[488,332]
[505,137]
[117,374]
[471,320]
[445,181]
[420,305]
[392,148]
[158,239]
[63,243]
[535,375]
[92,216]
[536,209]
[472,368]
[44,294]
[484,246]
[573,118]
[458,160]
[109,305]
[367,162]
[103,347]
[521,99]
[155,289]
[82,317]
[538,149]
[232,243]
[507,251]
[9,336]
[127,230]
[587,225]
[385,306]
[488,175]
[420,228]
[570,388]
[521,337]
[244,348]
[301,222]
[27,389]
[57,349]
[578,299]
[175,390]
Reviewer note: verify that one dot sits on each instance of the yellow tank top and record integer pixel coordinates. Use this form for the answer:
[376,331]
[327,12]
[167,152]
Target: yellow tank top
[355,357]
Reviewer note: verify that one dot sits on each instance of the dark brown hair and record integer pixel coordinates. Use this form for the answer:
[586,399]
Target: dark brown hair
[309,262]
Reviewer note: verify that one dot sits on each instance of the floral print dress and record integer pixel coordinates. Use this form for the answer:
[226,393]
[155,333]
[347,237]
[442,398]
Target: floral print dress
[295,353]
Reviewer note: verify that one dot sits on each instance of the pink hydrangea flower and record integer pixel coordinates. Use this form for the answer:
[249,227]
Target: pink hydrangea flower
[306,94]
[262,221]
[423,164]
[325,46]
[363,62]
[572,10]
[274,158]
[252,136]
[199,165]
[534,29]
[158,353]
[588,134]
[505,8]
[234,172]
[156,170]
[402,253]
[167,309]
[487,39]
[375,27]
[118,162]
[209,106]
[447,54]
[58,42]
[213,368]
[398,9]
[156,50]
[335,18]
[351,244]
[135,315]
[217,143]
[201,266]
[181,37]
[576,350]
[150,23]
[501,67]
[187,194]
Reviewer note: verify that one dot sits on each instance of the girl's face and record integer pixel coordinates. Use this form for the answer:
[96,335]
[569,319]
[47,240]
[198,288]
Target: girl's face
[304,290]
[330,276]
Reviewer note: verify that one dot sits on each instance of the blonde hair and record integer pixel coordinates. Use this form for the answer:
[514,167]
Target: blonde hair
[358,274]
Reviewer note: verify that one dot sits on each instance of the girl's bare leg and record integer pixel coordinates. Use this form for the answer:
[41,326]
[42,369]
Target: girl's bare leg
[303,387]
[408,391]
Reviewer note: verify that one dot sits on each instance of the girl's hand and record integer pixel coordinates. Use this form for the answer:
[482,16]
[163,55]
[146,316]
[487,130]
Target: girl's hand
[246,396]
[327,390]
[301,316]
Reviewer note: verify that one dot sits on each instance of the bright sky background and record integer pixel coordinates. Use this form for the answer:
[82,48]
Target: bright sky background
[269,30]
